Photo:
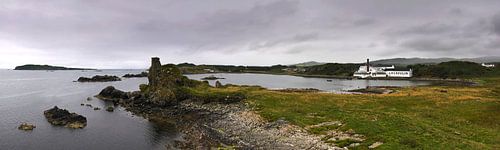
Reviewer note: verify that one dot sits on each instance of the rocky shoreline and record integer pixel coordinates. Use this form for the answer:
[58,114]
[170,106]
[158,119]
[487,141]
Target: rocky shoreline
[214,125]
[208,117]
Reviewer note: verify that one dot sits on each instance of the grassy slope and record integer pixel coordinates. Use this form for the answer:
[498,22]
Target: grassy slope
[417,117]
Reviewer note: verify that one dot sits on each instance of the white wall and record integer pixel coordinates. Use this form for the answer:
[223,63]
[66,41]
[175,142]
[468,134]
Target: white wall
[399,73]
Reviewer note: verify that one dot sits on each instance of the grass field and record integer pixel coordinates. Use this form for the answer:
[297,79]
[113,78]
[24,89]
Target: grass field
[428,117]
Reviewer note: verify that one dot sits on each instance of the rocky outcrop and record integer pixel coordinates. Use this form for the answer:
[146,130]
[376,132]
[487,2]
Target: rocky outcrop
[167,86]
[110,109]
[99,78]
[212,78]
[140,75]
[26,127]
[112,94]
[62,117]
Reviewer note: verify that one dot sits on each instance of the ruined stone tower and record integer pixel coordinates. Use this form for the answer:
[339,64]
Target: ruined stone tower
[154,72]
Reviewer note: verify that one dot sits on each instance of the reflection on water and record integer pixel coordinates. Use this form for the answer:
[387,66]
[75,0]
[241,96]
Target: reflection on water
[286,81]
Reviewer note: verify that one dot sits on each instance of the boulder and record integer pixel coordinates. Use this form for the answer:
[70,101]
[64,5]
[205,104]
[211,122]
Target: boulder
[62,117]
[112,94]
[99,78]
[26,127]
[110,109]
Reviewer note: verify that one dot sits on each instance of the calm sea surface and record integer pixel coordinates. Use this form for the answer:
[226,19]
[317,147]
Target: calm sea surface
[286,81]
[24,95]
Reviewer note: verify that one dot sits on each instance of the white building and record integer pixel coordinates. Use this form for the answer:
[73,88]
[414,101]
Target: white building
[488,65]
[381,72]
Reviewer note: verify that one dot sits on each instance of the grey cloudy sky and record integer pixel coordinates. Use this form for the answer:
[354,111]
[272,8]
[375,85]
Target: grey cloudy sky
[126,33]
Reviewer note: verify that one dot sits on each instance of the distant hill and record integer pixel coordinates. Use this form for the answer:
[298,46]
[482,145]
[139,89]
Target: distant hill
[308,64]
[46,67]
[412,61]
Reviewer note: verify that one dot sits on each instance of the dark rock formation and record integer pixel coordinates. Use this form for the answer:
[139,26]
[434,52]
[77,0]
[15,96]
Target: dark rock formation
[140,75]
[99,78]
[110,109]
[62,117]
[112,94]
[26,127]
[211,78]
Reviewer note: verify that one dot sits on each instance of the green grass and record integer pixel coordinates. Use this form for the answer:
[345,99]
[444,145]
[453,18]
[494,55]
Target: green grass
[412,118]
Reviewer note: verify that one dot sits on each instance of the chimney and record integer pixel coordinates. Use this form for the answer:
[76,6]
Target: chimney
[367,65]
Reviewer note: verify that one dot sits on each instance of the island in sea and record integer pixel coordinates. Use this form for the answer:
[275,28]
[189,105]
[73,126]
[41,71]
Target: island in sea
[47,67]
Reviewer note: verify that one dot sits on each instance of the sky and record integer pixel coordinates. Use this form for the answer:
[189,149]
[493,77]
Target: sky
[127,33]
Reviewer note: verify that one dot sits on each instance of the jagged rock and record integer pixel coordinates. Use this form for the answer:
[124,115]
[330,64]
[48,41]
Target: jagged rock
[99,78]
[218,84]
[112,94]
[62,117]
[140,75]
[26,127]
[110,109]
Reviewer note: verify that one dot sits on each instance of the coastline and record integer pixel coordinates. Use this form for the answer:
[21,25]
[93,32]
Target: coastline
[218,125]
[436,81]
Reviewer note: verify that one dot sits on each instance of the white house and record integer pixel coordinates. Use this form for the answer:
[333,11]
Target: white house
[488,65]
[381,72]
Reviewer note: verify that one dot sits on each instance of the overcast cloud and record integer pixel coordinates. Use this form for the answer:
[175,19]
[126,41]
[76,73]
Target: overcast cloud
[126,33]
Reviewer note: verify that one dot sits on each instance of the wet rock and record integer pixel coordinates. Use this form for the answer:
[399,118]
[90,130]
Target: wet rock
[62,117]
[82,104]
[110,109]
[212,77]
[26,127]
[99,78]
[97,108]
[140,75]
[112,94]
